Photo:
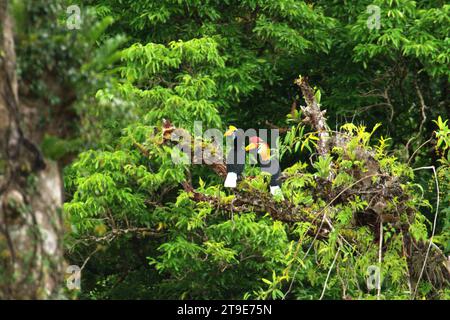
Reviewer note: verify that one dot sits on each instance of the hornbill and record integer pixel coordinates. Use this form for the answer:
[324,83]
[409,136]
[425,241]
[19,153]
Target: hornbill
[235,160]
[267,164]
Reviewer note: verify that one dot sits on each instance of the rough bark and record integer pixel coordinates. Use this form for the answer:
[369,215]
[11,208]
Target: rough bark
[314,116]
[31,254]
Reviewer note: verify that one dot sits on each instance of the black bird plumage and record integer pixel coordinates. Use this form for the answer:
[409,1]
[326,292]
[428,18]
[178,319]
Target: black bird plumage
[236,155]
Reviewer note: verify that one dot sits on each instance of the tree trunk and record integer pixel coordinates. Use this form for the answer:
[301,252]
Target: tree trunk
[31,253]
[314,116]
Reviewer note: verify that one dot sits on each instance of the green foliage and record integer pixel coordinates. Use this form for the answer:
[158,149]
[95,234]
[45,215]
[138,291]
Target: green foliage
[323,166]
[443,178]
[223,62]
[203,250]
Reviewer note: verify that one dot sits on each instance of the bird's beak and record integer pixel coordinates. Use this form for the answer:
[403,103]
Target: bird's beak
[251,146]
[228,133]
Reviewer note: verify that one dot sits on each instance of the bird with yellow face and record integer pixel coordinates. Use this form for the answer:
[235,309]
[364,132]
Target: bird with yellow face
[267,164]
[235,160]
[263,148]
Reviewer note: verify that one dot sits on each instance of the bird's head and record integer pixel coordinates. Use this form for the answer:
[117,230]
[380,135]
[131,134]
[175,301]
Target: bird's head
[263,148]
[254,143]
[231,131]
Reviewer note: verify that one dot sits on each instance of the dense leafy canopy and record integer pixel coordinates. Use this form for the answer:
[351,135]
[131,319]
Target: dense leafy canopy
[146,228]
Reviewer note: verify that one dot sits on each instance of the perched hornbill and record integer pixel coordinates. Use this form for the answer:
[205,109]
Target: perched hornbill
[267,164]
[235,157]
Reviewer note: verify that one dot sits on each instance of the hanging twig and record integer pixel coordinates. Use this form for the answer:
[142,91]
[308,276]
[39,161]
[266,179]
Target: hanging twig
[329,273]
[423,113]
[414,153]
[380,253]
[305,255]
[434,225]
[89,257]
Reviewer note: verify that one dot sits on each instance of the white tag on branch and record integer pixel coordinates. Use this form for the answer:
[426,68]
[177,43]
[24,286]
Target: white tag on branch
[276,192]
[230,181]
